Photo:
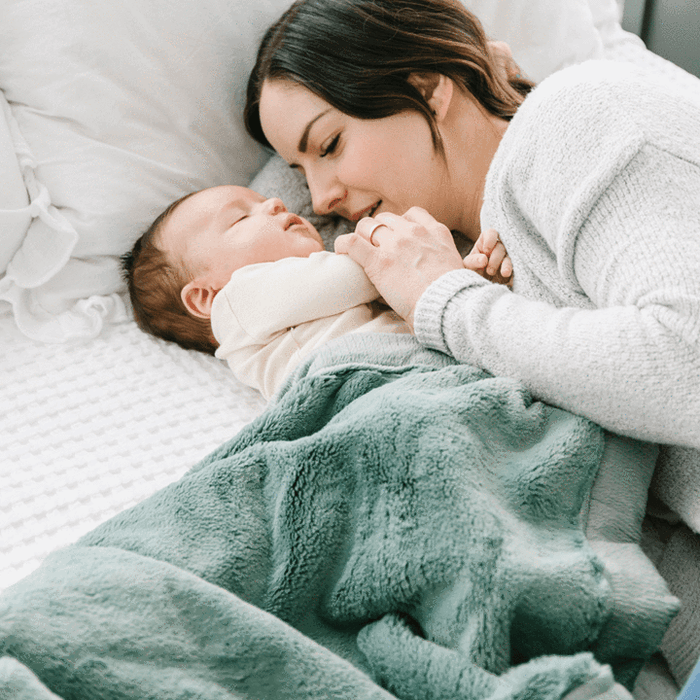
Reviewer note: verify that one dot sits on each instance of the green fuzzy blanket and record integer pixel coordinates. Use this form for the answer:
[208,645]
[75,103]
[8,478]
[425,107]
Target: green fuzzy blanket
[396,528]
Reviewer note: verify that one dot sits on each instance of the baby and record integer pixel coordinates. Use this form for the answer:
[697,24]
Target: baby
[233,274]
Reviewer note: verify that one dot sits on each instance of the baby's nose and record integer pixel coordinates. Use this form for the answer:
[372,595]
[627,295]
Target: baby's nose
[274,205]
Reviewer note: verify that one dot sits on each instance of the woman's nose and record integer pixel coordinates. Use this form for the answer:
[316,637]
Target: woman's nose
[273,206]
[326,198]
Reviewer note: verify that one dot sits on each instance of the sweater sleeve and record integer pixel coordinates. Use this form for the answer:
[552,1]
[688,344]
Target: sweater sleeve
[632,363]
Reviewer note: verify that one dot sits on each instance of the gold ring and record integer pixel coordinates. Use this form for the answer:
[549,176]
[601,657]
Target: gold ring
[377,224]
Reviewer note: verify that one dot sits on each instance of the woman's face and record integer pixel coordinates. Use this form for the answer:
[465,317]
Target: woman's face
[355,167]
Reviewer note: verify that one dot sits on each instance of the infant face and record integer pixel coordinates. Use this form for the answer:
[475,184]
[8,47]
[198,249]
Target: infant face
[221,229]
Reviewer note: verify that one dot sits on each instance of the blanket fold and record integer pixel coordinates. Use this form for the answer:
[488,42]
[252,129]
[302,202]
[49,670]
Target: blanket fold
[393,525]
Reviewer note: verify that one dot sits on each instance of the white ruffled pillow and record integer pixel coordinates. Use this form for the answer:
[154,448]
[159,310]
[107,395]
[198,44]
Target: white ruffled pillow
[15,213]
[116,109]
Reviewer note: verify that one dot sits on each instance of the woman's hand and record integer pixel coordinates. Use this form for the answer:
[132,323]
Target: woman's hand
[490,259]
[503,56]
[402,255]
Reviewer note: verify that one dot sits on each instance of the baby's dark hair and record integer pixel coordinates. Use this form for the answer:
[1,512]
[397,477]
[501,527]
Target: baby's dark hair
[154,281]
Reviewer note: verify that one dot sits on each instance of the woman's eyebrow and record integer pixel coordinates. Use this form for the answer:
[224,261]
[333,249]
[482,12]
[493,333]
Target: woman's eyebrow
[304,140]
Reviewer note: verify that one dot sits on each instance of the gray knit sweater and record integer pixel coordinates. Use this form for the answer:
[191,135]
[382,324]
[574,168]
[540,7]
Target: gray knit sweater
[595,191]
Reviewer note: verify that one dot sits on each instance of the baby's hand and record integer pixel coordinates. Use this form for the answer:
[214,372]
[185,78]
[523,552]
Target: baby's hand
[489,258]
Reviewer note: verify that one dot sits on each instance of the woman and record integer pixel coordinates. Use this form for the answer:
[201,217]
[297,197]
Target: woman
[395,112]
[594,187]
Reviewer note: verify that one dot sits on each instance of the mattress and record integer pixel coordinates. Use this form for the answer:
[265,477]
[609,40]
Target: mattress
[91,429]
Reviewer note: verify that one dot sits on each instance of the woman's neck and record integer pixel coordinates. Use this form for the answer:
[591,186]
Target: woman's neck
[471,139]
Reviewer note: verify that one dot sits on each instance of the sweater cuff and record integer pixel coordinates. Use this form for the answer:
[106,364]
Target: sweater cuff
[430,309]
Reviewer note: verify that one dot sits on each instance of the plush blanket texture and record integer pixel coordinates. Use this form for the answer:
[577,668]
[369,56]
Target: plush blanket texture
[401,527]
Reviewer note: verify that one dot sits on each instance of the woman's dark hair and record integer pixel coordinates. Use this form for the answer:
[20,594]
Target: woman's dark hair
[358,56]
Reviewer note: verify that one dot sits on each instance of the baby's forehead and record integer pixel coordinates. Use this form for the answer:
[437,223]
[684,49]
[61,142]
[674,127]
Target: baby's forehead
[204,209]
[207,204]
[230,196]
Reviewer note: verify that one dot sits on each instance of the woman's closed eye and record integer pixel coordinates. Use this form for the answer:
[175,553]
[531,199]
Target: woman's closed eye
[330,148]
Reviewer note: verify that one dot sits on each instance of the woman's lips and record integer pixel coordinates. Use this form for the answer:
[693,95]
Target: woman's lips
[369,211]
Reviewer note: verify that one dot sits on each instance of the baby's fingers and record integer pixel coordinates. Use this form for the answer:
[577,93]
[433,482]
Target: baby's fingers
[505,274]
[507,266]
[476,262]
[490,259]
[487,241]
[497,258]
[500,267]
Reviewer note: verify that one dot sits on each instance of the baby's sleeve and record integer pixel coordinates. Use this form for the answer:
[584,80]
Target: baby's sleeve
[266,299]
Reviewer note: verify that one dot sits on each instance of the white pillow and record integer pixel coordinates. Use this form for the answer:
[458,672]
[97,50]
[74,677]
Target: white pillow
[544,35]
[607,15]
[14,202]
[118,108]
[124,107]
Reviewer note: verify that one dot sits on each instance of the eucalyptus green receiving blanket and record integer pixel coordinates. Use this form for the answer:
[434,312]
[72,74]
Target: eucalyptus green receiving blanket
[393,526]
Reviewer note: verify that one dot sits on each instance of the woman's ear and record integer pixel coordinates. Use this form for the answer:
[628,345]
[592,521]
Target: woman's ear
[198,297]
[437,90]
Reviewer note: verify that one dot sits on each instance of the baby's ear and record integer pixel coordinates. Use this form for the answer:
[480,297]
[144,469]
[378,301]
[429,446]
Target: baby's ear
[198,297]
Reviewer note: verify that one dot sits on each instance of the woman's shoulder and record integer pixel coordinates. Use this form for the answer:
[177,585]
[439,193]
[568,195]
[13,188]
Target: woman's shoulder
[600,100]
[591,93]
[571,124]
[589,76]
[573,136]
[587,121]
[597,80]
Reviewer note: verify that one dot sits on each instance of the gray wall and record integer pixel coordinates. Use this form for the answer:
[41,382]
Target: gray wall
[670,28]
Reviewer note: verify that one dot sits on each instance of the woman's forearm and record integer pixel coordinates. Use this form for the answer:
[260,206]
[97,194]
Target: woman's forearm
[623,367]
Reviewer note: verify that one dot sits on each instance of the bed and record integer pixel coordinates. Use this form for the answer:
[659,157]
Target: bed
[121,110]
